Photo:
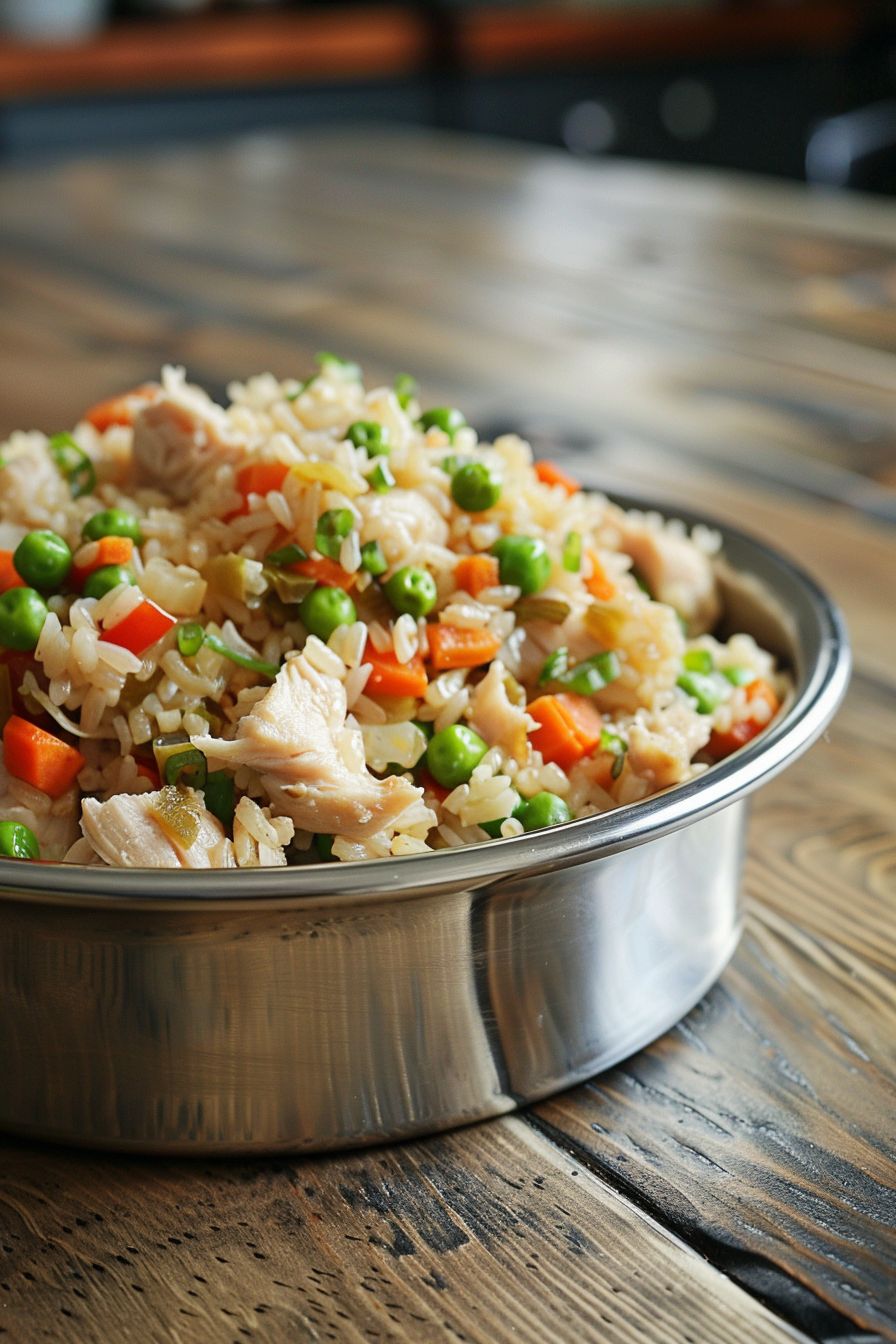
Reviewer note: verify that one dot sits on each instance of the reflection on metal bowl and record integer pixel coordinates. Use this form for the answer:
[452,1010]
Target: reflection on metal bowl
[323,1007]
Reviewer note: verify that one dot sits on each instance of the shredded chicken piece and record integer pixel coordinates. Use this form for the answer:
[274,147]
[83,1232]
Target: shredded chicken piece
[676,571]
[310,762]
[496,718]
[175,446]
[661,747]
[125,833]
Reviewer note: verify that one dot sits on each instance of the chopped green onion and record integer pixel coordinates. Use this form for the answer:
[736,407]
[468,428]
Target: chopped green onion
[287,555]
[381,478]
[332,529]
[541,609]
[373,559]
[74,464]
[453,462]
[220,796]
[698,660]
[187,769]
[217,645]
[405,389]
[18,841]
[554,667]
[572,552]
[190,638]
[706,690]
[739,676]
[326,359]
[592,674]
[612,742]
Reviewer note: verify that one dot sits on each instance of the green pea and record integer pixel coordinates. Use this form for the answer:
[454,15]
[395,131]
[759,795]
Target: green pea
[332,529]
[17,841]
[412,591]
[446,418]
[475,487]
[369,434]
[698,660]
[112,523]
[453,755]
[706,690]
[373,559]
[544,809]
[524,562]
[325,609]
[43,559]
[22,615]
[104,579]
[493,828]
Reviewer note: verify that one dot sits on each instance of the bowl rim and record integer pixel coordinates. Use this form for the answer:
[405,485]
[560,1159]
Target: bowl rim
[819,691]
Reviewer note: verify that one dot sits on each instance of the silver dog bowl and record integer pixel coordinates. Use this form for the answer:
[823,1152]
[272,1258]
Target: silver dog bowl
[335,1005]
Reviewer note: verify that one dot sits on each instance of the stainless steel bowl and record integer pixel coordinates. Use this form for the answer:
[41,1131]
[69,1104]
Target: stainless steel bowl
[329,1006]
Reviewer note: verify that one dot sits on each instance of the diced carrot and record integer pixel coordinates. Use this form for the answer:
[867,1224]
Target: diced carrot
[452,646]
[122,409]
[722,744]
[550,474]
[390,677]
[144,627]
[569,728]
[257,479]
[9,575]
[433,786]
[96,554]
[597,583]
[147,771]
[325,572]
[40,759]
[475,572]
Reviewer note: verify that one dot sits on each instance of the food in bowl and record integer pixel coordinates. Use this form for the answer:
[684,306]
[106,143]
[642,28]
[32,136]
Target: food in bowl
[328,623]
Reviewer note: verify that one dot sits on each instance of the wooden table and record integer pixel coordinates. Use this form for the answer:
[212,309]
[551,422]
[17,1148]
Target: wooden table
[720,342]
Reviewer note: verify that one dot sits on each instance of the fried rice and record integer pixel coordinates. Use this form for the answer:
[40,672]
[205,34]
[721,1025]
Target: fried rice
[341,627]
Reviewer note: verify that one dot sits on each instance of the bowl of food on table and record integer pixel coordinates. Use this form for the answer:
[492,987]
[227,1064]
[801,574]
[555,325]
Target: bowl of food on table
[360,778]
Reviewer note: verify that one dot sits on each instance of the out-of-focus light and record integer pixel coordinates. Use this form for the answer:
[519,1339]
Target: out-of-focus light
[688,109]
[589,128]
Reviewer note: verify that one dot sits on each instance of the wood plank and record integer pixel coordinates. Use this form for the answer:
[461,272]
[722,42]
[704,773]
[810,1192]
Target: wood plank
[372,42]
[487,1235]
[761,1128]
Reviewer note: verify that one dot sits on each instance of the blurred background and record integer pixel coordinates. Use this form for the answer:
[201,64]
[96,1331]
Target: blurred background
[794,88]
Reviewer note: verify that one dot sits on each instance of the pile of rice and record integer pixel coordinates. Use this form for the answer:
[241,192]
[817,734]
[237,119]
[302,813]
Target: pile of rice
[113,704]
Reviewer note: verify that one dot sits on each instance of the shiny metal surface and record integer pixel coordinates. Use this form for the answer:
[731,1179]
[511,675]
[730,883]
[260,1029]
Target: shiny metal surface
[322,1007]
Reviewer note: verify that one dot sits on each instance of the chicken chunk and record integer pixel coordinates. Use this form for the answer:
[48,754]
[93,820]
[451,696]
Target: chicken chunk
[176,445]
[495,718]
[126,832]
[676,571]
[297,740]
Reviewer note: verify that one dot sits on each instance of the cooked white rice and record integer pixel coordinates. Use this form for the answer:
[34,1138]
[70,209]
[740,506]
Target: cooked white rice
[177,462]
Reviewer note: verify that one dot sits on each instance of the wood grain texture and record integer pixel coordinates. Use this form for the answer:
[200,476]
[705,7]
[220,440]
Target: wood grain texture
[485,1236]
[688,335]
[763,1125]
